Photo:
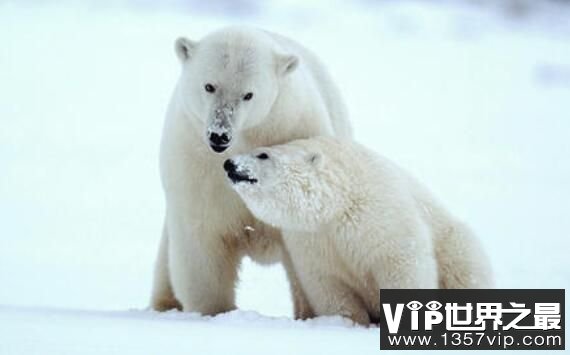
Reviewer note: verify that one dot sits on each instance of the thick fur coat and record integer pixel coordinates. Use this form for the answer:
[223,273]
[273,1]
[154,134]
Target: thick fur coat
[353,223]
[240,88]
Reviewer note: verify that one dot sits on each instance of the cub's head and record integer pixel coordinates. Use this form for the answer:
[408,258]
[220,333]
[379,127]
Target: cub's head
[230,81]
[288,186]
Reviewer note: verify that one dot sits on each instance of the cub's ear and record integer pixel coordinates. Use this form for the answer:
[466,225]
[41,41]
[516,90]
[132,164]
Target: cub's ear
[184,48]
[286,63]
[315,159]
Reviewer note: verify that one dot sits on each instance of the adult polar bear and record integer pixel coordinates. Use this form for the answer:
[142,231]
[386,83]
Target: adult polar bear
[240,88]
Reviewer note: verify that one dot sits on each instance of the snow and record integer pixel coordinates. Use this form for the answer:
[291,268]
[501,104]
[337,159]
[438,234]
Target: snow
[473,101]
[48,331]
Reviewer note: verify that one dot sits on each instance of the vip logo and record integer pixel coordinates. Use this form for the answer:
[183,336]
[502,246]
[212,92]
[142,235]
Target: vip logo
[462,319]
[546,315]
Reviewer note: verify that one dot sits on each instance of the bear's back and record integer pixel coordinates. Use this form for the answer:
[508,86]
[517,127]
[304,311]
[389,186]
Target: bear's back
[330,93]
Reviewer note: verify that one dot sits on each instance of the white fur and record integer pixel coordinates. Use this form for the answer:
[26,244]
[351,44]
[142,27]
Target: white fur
[208,229]
[354,223]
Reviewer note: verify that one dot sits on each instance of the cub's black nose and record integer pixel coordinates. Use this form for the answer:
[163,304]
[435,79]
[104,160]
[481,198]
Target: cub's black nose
[229,166]
[219,139]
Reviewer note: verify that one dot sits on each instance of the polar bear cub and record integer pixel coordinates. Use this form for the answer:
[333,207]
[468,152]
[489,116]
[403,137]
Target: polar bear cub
[354,223]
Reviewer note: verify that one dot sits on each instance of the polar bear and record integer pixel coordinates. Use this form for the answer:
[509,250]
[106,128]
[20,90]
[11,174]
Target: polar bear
[240,88]
[353,223]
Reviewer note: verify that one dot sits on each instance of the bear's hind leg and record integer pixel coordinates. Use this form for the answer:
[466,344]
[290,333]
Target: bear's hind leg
[461,259]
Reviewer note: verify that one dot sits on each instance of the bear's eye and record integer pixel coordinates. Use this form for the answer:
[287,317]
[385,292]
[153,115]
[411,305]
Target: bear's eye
[263,156]
[210,88]
[248,96]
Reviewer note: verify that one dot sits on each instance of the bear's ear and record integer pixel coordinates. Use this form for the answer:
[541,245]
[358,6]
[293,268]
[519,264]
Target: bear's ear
[286,63]
[315,159]
[184,48]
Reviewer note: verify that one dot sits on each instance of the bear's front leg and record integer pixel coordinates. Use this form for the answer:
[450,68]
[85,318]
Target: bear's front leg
[330,296]
[162,297]
[301,307]
[203,271]
[264,244]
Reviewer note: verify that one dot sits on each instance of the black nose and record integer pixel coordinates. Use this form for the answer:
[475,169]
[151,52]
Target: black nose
[219,139]
[229,166]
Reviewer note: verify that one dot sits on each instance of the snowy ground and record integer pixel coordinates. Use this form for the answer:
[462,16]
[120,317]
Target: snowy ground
[475,103]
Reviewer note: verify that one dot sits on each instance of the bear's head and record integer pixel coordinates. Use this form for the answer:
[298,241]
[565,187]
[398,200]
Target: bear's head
[288,186]
[230,81]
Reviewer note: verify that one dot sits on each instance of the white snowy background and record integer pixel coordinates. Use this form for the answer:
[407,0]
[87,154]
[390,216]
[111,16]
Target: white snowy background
[471,96]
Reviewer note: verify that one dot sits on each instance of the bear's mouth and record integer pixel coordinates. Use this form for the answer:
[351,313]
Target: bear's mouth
[219,148]
[236,177]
